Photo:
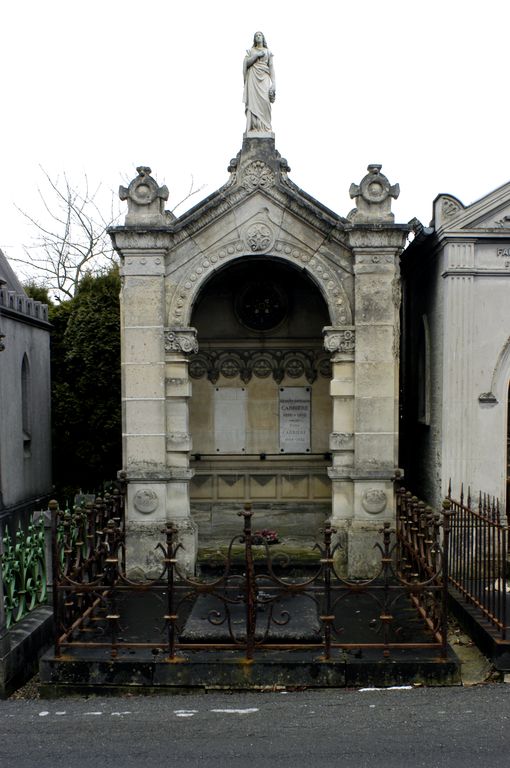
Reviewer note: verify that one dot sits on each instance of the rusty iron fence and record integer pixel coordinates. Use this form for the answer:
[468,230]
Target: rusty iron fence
[255,607]
[478,556]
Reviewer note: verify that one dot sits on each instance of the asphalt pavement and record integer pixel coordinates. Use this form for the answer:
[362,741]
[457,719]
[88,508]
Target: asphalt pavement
[310,729]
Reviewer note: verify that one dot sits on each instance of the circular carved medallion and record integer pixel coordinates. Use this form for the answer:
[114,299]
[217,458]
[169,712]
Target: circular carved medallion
[374,501]
[261,306]
[259,237]
[145,501]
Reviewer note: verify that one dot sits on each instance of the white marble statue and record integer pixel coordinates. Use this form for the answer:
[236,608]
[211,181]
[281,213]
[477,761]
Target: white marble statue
[259,85]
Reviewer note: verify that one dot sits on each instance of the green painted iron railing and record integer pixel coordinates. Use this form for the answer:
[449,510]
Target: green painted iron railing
[23,571]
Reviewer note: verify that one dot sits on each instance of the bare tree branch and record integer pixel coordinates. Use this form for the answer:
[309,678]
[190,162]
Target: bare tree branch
[71,237]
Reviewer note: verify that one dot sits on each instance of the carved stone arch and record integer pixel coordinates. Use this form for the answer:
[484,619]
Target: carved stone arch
[326,277]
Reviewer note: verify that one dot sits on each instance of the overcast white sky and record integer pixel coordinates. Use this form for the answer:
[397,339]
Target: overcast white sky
[99,87]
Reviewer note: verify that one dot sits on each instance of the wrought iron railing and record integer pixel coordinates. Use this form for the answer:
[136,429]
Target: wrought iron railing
[255,608]
[423,541]
[478,556]
[23,571]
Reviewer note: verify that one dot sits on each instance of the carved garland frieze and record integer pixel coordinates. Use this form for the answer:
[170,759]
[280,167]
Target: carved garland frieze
[248,363]
[327,276]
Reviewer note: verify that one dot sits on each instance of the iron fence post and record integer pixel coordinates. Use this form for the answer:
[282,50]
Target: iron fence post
[170,562]
[327,617]
[444,567]
[55,571]
[504,555]
[250,584]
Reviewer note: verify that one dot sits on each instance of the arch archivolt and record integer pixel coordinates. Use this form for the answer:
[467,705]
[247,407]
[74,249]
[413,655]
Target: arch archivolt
[326,276]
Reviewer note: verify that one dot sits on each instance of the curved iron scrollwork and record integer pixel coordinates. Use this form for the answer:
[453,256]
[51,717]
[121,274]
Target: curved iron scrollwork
[253,604]
[23,571]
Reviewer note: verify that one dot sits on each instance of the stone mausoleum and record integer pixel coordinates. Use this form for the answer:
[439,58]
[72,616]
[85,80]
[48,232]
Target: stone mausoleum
[260,344]
[260,347]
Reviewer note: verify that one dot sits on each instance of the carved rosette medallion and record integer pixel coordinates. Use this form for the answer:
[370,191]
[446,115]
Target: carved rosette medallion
[449,208]
[145,501]
[374,501]
[340,340]
[259,237]
[258,174]
[261,306]
[181,340]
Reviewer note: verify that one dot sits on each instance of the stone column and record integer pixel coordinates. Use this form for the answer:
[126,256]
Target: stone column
[179,344]
[151,479]
[341,343]
[376,243]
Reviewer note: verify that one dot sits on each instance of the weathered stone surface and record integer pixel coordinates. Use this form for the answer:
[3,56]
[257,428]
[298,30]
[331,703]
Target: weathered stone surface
[318,274]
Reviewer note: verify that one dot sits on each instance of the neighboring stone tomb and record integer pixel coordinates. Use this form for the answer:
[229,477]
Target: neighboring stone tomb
[456,357]
[25,430]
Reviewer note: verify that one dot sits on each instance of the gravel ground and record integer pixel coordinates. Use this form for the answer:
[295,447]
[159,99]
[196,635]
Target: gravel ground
[28,691]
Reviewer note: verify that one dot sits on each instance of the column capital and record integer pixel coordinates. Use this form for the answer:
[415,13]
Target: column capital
[181,340]
[341,341]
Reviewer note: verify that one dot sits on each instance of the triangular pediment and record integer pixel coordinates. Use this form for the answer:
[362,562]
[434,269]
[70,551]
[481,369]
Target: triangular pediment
[260,213]
[490,214]
[259,177]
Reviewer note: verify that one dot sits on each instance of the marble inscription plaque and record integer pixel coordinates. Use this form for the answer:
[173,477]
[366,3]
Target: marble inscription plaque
[230,419]
[295,412]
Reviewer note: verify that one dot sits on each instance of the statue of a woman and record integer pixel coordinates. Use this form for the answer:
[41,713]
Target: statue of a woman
[259,85]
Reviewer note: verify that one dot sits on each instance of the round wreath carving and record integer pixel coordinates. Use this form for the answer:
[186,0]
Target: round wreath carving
[145,501]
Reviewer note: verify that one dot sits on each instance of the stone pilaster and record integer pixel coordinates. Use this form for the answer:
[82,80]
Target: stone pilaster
[376,244]
[179,344]
[157,488]
[458,402]
[341,342]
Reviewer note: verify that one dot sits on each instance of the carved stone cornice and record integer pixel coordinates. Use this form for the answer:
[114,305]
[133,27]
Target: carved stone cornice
[181,341]
[246,363]
[340,341]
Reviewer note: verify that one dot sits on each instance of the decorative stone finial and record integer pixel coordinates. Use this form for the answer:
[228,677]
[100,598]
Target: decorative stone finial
[373,197]
[145,199]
